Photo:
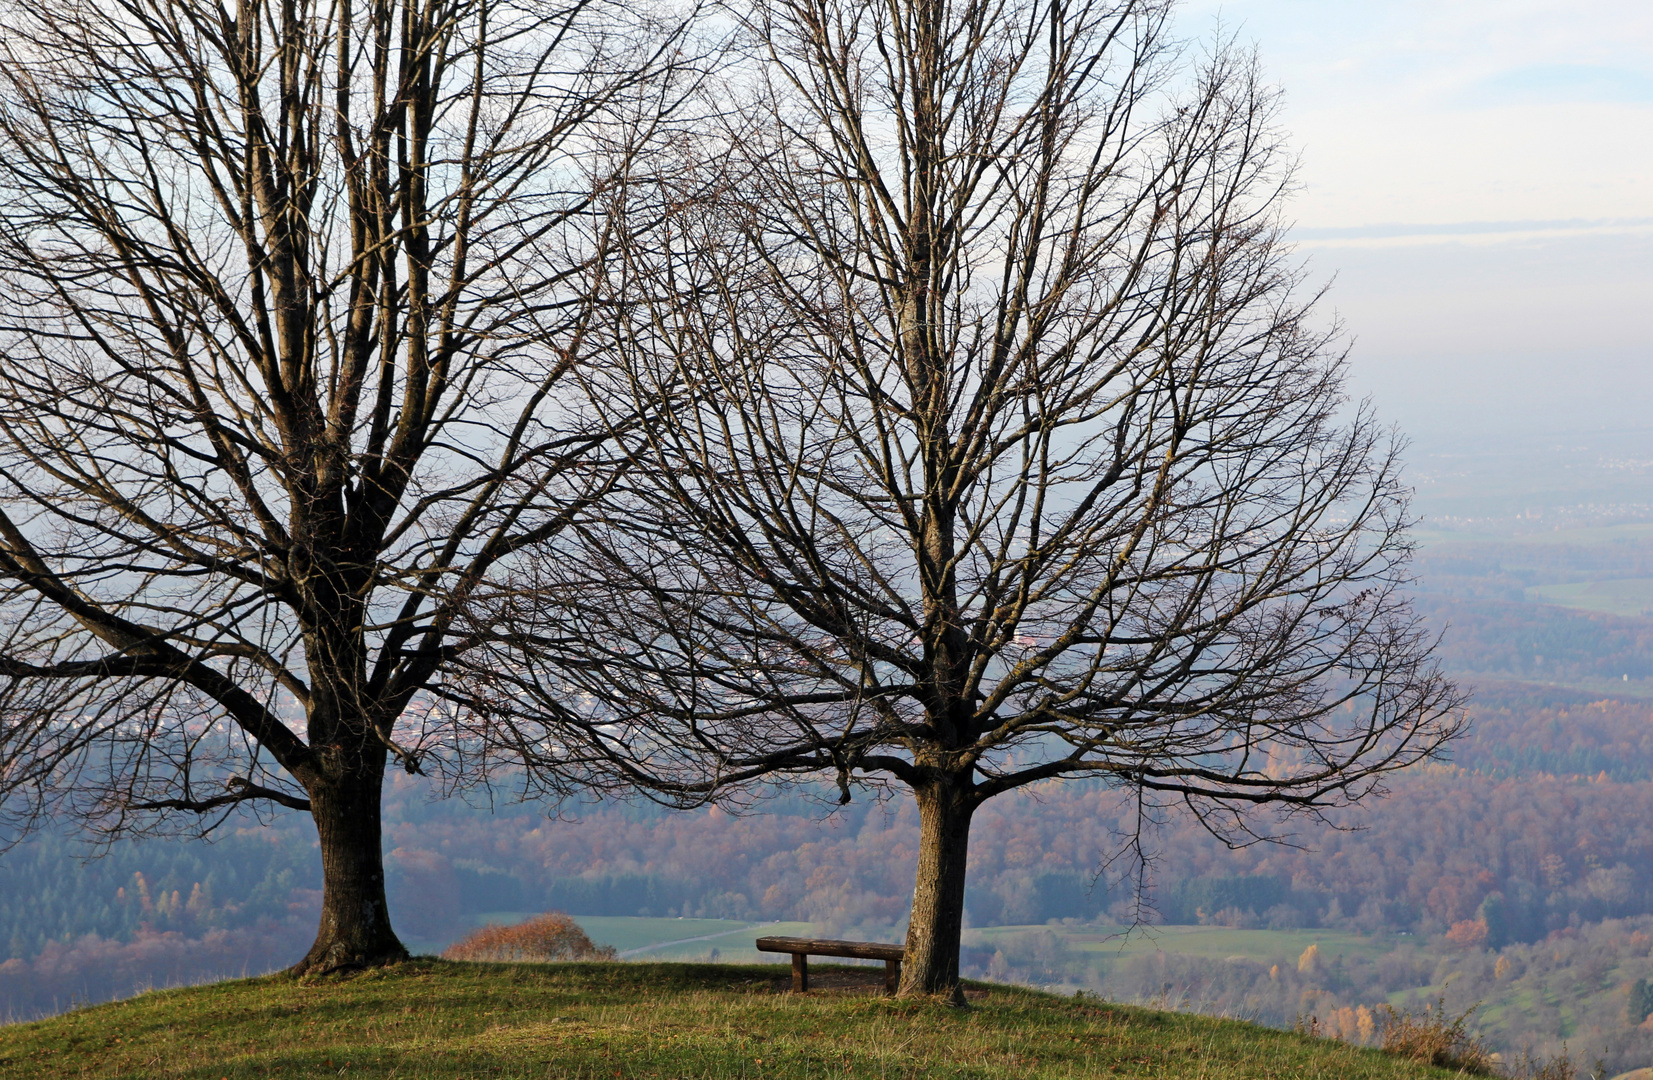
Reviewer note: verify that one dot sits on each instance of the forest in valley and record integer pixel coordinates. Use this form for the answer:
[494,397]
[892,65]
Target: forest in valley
[1533,841]
[1517,875]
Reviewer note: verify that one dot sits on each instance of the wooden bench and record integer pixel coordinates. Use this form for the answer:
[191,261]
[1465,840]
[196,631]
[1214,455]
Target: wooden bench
[803,948]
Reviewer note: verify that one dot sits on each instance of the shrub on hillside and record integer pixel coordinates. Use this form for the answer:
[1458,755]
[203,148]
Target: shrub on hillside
[1432,1037]
[548,937]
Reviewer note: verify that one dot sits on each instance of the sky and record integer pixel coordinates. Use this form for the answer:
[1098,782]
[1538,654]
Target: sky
[1478,188]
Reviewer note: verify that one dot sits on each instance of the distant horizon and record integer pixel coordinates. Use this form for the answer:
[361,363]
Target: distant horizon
[1472,196]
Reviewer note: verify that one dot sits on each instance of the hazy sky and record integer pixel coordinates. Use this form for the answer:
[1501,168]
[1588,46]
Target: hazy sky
[1478,175]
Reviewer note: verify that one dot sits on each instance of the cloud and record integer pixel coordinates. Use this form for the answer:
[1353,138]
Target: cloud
[1559,83]
[1456,110]
[1465,232]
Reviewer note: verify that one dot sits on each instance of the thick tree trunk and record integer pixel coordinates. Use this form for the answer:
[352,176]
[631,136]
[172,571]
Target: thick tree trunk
[931,964]
[355,920]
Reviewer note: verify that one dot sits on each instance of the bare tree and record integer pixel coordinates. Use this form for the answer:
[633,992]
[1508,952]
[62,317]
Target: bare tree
[286,293]
[1006,449]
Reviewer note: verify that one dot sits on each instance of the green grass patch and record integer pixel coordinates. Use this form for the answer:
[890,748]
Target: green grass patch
[445,1021]
[1619,689]
[1584,536]
[683,939]
[651,938]
[1111,944]
[636,932]
[1626,596]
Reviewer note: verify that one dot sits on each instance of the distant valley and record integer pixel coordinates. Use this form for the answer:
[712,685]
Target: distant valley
[1519,873]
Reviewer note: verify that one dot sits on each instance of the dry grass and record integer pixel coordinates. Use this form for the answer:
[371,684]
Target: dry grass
[1527,1067]
[545,938]
[1433,1037]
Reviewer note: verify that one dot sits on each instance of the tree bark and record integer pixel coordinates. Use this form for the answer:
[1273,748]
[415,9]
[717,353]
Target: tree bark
[931,962]
[355,927]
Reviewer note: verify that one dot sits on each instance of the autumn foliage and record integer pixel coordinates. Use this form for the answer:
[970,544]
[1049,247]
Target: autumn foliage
[1468,933]
[543,938]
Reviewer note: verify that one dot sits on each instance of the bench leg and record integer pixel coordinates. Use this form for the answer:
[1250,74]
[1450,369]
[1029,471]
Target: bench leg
[800,973]
[892,976]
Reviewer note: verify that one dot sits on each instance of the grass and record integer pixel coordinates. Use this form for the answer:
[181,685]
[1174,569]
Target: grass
[436,1020]
[1111,944]
[1627,596]
[628,931]
[1583,536]
[638,932]
[655,938]
[685,939]
[1638,689]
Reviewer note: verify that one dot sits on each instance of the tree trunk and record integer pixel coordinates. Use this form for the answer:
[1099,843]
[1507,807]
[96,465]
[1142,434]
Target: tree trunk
[931,963]
[355,920]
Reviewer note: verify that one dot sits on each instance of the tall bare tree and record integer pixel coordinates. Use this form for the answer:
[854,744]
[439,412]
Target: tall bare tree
[286,293]
[1006,449]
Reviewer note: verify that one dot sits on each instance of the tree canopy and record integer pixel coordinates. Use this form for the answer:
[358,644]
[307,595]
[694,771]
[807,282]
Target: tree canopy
[286,293]
[1005,445]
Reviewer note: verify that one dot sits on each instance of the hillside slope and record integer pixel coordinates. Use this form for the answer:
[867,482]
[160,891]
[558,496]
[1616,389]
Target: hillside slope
[434,1020]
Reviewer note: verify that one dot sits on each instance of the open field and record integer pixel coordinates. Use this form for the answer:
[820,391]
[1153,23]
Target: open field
[693,939]
[1631,689]
[1632,596]
[1219,942]
[442,1021]
[685,939]
[1587,536]
[645,938]
[636,932]
[661,939]
[628,932]
[1106,948]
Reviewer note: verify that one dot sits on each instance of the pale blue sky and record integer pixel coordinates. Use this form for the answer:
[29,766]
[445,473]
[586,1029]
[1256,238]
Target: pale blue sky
[1478,174]
[1459,110]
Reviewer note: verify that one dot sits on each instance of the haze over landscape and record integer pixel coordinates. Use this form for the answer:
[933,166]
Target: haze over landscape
[1477,195]
[1477,187]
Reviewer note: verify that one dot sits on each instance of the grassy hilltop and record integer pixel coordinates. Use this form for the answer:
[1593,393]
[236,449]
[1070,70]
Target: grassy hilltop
[445,1021]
